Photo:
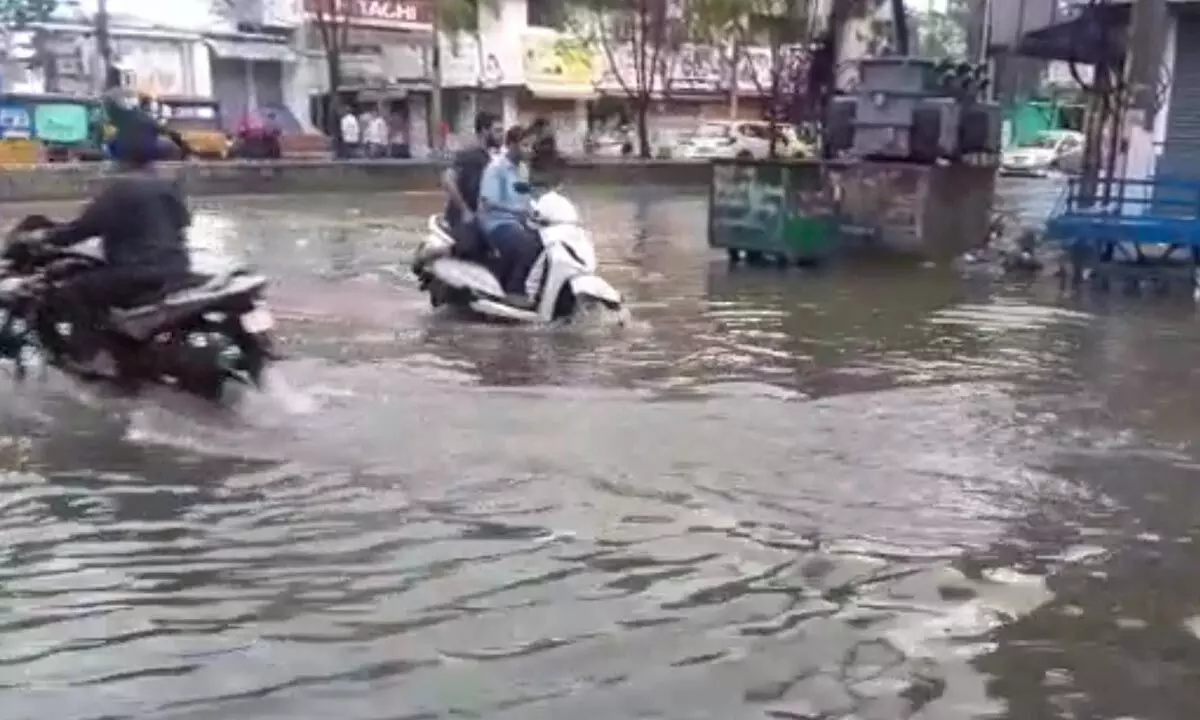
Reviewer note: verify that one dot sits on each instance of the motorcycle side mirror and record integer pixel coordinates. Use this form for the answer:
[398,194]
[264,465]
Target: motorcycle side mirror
[522,187]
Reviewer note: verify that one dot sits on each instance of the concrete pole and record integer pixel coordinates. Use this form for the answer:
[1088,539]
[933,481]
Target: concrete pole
[104,48]
[436,139]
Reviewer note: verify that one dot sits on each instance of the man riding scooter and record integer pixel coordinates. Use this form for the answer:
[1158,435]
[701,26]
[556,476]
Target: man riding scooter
[504,209]
[461,183]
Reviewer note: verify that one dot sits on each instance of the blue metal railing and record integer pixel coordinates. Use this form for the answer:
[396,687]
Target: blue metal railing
[1170,197]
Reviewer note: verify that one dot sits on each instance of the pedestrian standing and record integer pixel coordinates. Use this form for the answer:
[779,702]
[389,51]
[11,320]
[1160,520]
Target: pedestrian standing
[351,134]
[377,136]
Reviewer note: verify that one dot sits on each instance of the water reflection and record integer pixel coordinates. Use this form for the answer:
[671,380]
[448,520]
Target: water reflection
[869,495]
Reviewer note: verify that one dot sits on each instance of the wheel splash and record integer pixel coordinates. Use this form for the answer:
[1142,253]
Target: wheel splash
[595,315]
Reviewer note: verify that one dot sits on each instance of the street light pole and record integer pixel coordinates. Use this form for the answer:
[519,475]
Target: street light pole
[900,20]
[437,141]
[104,48]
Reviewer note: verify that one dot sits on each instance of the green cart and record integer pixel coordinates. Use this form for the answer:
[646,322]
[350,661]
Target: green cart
[780,211]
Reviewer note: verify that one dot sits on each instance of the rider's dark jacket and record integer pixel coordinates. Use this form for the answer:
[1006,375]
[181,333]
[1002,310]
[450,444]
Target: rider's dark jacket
[142,221]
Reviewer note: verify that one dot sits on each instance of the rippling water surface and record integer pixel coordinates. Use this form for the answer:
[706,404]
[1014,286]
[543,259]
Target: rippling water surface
[778,495]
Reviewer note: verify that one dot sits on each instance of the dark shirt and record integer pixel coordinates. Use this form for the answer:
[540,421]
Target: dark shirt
[141,221]
[544,163]
[468,171]
[138,132]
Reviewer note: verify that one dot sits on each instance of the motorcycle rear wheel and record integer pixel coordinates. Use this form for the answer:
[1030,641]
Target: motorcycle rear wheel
[201,370]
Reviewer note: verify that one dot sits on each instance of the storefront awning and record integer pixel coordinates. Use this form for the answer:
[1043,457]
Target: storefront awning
[561,92]
[1094,35]
[253,50]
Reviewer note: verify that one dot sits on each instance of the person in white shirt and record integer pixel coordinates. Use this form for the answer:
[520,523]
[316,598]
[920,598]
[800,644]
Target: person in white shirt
[351,134]
[377,136]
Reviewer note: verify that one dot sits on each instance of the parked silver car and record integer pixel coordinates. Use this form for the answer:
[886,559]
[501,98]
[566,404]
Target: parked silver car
[1060,150]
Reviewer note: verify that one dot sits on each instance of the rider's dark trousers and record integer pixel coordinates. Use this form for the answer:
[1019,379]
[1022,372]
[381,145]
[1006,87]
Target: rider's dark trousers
[519,250]
[468,241]
[87,297]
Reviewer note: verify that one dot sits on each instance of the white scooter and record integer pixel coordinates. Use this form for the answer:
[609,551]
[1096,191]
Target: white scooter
[562,282]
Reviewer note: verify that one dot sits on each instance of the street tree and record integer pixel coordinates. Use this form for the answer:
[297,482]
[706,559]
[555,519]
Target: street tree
[637,39]
[329,19]
[786,28]
[943,33]
[451,17]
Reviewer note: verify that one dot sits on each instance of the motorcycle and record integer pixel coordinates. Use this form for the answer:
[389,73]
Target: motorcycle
[562,283]
[196,337]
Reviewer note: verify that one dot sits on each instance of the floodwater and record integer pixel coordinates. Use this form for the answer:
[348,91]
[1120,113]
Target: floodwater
[898,494]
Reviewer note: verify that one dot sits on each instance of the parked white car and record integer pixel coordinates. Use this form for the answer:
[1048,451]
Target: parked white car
[1060,150]
[740,139]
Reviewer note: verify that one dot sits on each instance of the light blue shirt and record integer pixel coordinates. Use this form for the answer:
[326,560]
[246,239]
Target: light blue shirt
[497,190]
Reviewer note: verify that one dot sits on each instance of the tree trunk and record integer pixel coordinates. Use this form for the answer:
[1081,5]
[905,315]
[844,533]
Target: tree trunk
[643,127]
[333,63]
[734,77]
[775,98]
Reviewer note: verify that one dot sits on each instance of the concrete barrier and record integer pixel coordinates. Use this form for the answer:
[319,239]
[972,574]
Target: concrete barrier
[76,181]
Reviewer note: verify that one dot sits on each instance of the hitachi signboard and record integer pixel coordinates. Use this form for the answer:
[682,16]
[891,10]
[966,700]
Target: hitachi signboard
[369,12]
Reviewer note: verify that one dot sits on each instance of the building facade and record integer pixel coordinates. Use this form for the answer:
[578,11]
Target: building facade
[386,60]
[63,57]
[254,67]
[520,66]
[1175,139]
[240,57]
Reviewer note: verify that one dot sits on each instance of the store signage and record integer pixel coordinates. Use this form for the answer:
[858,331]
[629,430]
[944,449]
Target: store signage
[410,12]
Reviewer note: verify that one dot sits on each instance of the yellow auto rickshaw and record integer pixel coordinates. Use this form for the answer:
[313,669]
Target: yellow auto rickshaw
[198,121]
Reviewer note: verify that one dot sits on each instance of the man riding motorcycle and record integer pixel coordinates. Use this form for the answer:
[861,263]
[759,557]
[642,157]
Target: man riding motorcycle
[503,212]
[461,183]
[135,122]
[141,219]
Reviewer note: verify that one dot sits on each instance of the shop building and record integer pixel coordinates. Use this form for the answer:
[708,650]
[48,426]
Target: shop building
[254,66]
[64,58]
[518,70]
[386,62]
[560,85]
[484,70]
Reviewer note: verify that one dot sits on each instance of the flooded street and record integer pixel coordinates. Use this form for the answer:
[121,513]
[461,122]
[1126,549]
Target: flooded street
[900,494]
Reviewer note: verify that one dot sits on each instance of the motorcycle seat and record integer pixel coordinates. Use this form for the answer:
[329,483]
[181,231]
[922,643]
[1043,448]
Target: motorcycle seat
[158,295]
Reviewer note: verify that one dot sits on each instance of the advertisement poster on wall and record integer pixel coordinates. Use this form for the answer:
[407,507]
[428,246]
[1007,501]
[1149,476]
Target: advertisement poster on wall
[459,61]
[557,67]
[15,122]
[152,68]
[696,70]
[753,71]
[620,71]
[467,64]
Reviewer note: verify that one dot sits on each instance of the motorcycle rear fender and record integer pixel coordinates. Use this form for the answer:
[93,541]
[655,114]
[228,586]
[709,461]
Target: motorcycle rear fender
[437,242]
[236,294]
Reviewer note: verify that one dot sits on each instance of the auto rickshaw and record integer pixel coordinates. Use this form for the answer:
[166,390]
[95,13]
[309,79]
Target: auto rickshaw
[42,127]
[198,121]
